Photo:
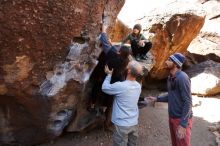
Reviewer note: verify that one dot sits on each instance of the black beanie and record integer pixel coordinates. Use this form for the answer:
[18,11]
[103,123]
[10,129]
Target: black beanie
[138,27]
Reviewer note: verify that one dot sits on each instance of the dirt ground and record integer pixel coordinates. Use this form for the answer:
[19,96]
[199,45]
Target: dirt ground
[153,129]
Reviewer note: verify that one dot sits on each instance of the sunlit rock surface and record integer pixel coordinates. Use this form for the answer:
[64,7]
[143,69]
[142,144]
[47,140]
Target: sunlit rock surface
[47,53]
[205,78]
[207,43]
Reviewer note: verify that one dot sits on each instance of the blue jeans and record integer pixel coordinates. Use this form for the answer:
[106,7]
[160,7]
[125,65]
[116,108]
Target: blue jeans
[125,135]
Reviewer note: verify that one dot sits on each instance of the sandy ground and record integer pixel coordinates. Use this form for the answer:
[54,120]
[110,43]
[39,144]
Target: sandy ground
[153,128]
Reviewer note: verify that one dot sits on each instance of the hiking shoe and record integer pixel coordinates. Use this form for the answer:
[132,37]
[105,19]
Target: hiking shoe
[144,57]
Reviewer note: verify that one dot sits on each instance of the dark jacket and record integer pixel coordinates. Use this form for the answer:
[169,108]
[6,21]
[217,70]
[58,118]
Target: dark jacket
[119,73]
[110,57]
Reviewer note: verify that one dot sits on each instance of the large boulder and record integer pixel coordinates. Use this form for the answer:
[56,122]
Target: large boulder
[179,26]
[206,46]
[171,29]
[208,40]
[173,36]
[205,78]
[47,51]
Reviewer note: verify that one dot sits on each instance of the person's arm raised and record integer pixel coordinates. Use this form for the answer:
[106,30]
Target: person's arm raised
[107,87]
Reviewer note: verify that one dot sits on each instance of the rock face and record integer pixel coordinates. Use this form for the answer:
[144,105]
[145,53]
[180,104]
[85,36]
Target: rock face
[119,31]
[202,44]
[47,52]
[171,32]
[192,29]
[208,40]
[181,26]
[215,129]
[205,78]
[175,36]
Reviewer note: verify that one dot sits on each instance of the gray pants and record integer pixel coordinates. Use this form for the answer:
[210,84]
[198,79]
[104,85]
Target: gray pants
[125,135]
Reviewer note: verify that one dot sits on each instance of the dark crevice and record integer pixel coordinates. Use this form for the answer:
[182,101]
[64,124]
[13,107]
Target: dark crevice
[194,58]
[213,57]
[212,37]
[203,2]
[214,17]
[79,40]
[96,80]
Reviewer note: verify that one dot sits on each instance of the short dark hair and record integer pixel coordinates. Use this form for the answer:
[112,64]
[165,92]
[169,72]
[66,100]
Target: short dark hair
[138,27]
[124,51]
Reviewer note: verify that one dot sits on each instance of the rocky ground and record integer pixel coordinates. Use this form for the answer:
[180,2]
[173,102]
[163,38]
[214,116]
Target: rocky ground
[153,127]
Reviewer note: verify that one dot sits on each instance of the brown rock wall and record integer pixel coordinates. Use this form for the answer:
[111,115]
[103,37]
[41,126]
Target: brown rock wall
[40,87]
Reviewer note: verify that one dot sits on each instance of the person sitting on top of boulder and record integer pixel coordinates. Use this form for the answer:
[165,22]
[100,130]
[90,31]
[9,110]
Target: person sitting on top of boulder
[139,44]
